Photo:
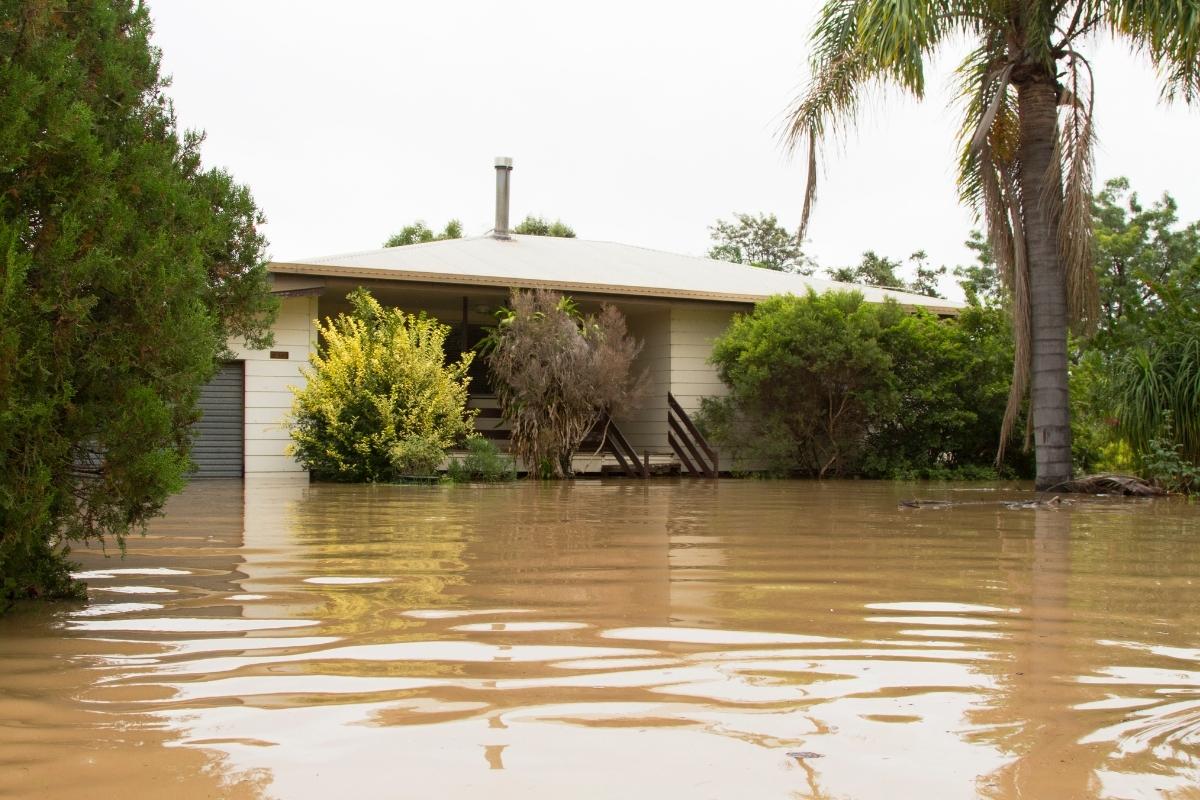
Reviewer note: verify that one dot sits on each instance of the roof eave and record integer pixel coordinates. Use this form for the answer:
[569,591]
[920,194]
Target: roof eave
[379,273]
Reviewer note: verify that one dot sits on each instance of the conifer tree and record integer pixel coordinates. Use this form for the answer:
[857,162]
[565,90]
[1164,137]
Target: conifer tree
[125,266]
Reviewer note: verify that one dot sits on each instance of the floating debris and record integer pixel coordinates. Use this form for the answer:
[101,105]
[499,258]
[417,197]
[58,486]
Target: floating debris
[803,754]
[1053,502]
[1107,483]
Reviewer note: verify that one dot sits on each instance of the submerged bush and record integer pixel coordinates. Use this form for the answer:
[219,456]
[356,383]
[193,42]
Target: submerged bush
[557,372]
[417,455]
[807,373]
[379,385]
[482,463]
[829,385]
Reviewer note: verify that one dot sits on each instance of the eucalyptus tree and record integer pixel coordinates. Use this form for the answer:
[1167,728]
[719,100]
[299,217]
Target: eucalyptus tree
[758,240]
[1027,137]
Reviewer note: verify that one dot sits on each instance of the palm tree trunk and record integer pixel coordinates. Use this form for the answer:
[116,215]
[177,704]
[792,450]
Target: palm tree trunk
[1041,193]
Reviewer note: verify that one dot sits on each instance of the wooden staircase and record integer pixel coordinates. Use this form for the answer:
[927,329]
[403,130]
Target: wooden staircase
[615,444]
[690,446]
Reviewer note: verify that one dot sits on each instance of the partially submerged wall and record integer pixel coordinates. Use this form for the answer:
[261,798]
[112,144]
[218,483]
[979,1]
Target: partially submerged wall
[268,396]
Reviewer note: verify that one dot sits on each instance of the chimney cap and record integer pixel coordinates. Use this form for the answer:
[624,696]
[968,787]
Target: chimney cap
[504,161]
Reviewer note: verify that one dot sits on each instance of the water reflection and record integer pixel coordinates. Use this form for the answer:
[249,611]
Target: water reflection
[648,639]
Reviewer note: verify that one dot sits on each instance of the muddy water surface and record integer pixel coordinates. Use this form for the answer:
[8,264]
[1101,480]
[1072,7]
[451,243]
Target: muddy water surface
[617,639]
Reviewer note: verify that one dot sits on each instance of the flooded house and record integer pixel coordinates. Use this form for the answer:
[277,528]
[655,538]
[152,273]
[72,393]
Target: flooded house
[676,305]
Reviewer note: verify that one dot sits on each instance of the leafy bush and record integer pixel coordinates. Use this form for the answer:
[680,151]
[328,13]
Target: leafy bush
[482,463]
[1164,464]
[952,376]
[828,385]
[557,373]
[1142,368]
[808,372]
[417,455]
[378,381]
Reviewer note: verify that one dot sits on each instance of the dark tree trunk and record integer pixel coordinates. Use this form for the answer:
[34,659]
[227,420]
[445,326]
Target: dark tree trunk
[1041,192]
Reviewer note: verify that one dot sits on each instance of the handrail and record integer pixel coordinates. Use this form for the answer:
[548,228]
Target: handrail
[619,446]
[614,442]
[685,439]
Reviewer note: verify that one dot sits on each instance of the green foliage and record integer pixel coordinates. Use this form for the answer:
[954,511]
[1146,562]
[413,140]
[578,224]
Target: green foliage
[760,241]
[980,281]
[419,232]
[1164,463]
[483,463]
[417,454]
[1143,365]
[1159,379]
[536,226]
[379,380]
[811,369]
[124,268]
[557,373]
[829,385]
[953,378]
[1140,252]
[875,270]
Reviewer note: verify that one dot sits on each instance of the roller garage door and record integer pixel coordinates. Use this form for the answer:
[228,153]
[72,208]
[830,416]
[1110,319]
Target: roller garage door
[218,444]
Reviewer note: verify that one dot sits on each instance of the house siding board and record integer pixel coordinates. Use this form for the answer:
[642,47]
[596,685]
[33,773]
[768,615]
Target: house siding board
[693,330]
[268,396]
[645,427]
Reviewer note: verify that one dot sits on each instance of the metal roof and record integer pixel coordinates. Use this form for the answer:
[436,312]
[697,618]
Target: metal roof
[579,265]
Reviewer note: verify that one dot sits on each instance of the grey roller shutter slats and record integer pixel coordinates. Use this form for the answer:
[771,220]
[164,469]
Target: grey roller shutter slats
[217,448]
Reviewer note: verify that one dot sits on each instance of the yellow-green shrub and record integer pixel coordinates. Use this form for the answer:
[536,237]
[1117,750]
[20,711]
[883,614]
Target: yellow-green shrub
[379,377]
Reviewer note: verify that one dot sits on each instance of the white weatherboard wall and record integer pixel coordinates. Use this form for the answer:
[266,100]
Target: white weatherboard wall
[268,396]
[646,426]
[693,329]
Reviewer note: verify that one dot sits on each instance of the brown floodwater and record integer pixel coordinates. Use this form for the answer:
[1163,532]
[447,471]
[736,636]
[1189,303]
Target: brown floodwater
[692,639]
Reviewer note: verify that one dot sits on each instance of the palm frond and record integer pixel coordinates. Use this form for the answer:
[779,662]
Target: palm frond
[982,95]
[1021,309]
[1076,142]
[831,100]
[900,35]
[1168,31]
[858,45]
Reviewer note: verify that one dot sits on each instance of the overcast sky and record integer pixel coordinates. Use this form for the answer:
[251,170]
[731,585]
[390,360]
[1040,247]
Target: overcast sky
[636,122]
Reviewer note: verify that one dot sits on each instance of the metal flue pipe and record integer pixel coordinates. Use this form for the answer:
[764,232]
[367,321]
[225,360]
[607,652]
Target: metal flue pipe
[503,177]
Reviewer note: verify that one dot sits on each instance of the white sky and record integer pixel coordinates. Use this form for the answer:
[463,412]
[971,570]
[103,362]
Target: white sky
[636,122]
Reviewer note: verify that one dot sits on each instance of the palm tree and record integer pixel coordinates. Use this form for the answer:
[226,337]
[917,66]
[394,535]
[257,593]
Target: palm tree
[1027,136]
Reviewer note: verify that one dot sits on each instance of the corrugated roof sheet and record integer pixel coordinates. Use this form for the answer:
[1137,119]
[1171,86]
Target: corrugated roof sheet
[579,265]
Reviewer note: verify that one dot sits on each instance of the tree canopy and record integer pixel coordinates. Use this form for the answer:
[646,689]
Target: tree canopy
[419,232]
[760,241]
[125,266]
[876,270]
[1141,371]
[537,226]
